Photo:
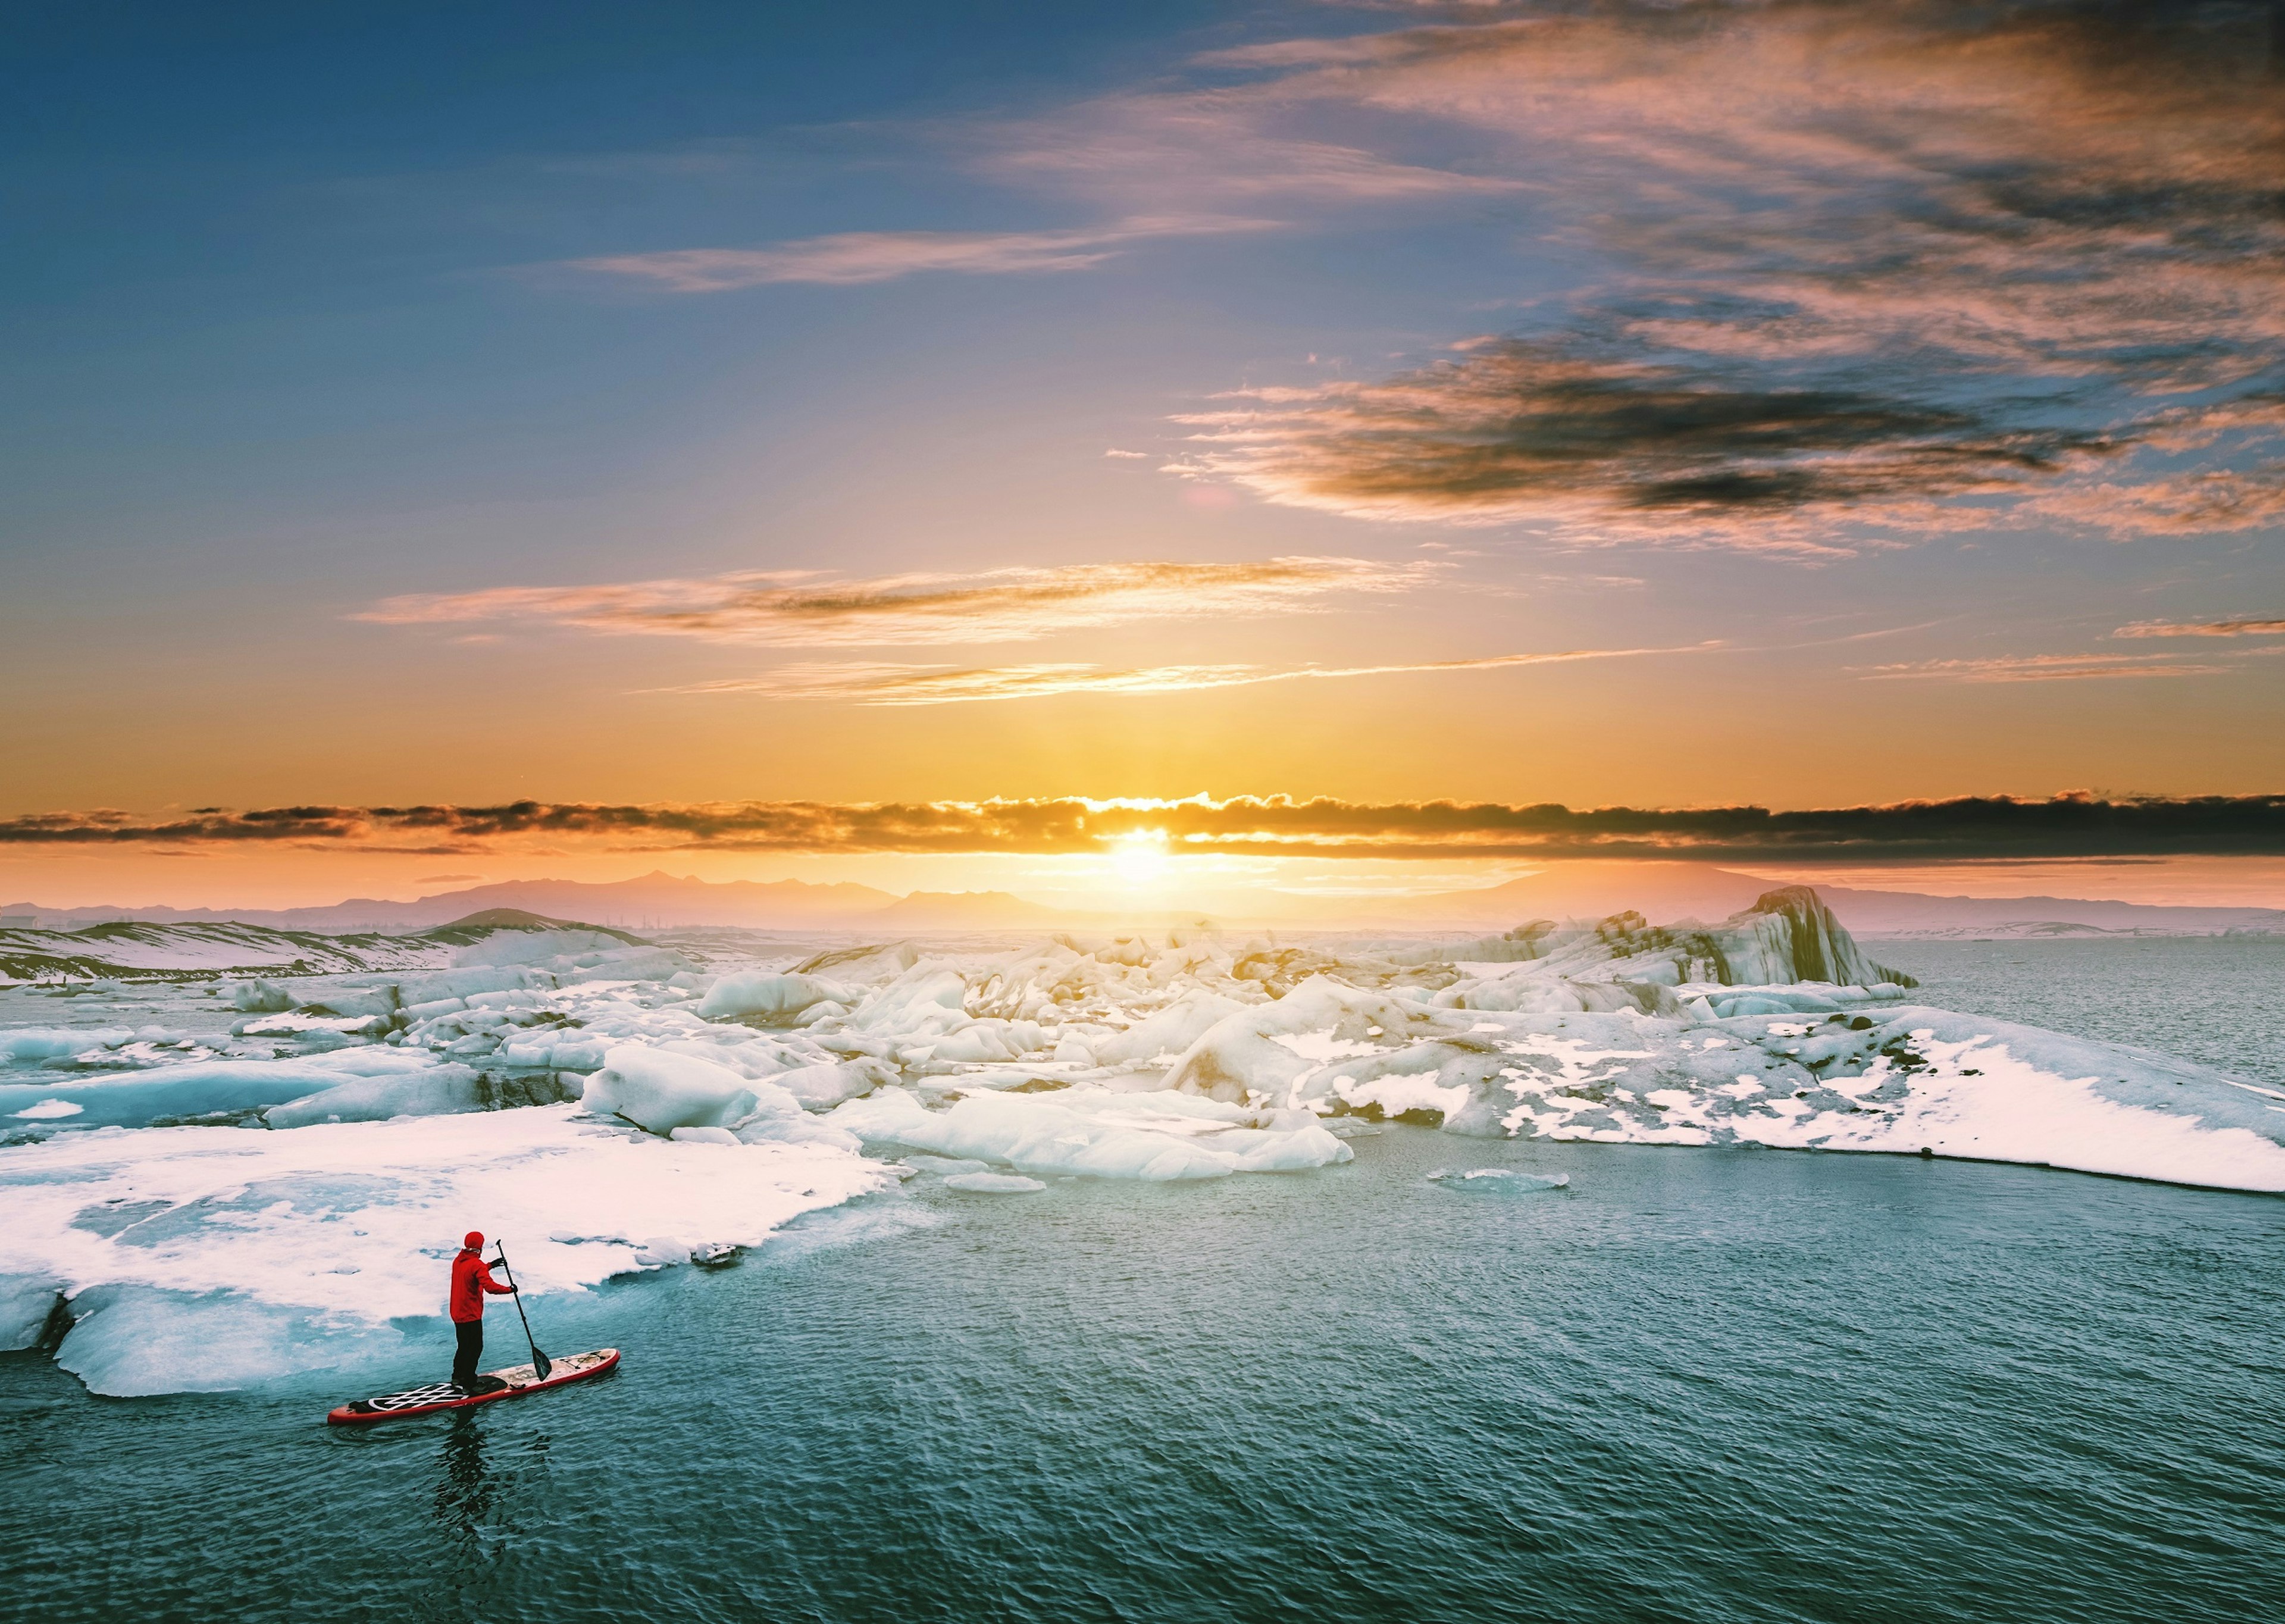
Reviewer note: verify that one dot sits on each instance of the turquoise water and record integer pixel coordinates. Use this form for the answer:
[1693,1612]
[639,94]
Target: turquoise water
[1696,1384]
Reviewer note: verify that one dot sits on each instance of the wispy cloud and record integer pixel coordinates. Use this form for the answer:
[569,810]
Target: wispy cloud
[2046,668]
[997,605]
[863,684]
[1998,827]
[1193,150]
[2204,502]
[2204,628]
[850,257]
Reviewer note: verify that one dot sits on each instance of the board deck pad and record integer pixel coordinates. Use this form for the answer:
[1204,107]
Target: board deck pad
[434,1396]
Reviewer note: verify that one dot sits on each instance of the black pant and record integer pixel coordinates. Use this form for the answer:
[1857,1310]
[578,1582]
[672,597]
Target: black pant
[471,1337]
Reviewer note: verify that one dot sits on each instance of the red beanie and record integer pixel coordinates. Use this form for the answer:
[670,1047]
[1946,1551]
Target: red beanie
[475,1241]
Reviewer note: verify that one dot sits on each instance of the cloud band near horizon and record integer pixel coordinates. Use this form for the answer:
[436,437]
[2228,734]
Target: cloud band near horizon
[1965,829]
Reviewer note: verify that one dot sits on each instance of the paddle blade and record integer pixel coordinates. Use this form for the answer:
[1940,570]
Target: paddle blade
[540,1364]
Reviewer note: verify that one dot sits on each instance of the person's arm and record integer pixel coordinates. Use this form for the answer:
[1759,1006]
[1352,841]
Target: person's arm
[484,1274]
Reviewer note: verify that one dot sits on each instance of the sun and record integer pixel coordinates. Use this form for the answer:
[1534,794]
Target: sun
[1140,860]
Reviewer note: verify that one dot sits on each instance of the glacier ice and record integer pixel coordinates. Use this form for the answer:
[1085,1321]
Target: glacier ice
[518,1074]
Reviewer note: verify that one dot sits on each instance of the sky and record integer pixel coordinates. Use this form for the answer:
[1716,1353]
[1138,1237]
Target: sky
[709,425]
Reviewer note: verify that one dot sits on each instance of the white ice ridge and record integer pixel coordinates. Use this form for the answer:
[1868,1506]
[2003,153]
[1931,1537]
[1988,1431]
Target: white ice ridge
[1169,1058]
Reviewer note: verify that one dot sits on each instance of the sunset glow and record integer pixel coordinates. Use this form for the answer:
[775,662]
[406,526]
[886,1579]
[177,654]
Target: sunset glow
[1798,407]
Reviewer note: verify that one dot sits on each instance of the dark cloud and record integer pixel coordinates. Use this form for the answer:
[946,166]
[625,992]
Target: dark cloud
[1517,429]
[1914,831]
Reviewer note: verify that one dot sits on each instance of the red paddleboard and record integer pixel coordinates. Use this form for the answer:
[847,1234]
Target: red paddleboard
[521,1379]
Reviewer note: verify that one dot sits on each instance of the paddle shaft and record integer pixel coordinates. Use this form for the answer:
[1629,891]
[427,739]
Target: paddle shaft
[538,1358]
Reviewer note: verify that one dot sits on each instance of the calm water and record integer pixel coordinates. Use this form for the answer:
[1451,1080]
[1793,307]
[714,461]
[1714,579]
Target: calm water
[1698,1385]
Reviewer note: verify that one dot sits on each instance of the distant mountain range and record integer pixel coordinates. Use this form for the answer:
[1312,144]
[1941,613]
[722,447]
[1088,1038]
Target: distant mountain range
[653,901]
[1665,891]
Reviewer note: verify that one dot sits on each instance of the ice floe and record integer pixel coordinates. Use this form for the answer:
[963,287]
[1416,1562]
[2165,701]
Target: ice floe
[197,1257]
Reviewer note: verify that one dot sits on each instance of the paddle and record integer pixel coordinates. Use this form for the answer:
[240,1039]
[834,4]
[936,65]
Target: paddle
[538,1359]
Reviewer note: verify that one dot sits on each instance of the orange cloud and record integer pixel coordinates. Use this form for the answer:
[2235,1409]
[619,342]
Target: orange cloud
[2204,628]
[2045,668]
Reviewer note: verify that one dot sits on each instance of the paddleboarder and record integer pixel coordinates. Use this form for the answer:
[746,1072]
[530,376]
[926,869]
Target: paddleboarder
[472,1277]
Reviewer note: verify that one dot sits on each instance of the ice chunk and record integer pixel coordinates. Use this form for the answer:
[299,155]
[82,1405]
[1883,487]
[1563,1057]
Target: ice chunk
[25,1303]
[368,1001]
[258,997]
[1499,1181]
[37,1043]
[435,1090]
[994,1183]
[135,1339]
[772,996]
[828,1084]
[49,1111]
[925,998]
[1241,1055]
[1099,1134]
[944,1163]
[704,1136]
[663,1092]
[1167,1031]
[204,1088]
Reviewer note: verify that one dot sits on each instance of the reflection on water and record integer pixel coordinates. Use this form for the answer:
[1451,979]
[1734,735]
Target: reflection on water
[473,1505]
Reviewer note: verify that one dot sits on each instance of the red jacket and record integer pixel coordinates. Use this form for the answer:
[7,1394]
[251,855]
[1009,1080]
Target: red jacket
[472,1277]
